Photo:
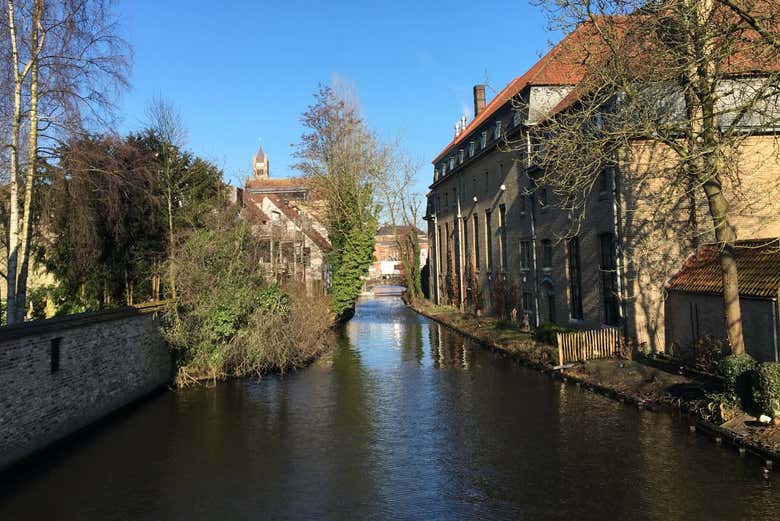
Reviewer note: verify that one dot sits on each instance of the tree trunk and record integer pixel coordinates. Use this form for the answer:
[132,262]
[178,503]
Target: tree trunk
[32,155]
[13,217]
[725,237]
[171,273]
[705,154]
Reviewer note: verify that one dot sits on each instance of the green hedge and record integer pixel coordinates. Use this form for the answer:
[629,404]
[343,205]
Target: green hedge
[546,333]
[737,371]
[766,388]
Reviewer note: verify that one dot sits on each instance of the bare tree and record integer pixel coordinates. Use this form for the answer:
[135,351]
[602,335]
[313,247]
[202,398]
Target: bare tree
[673,98]
[401,208]
[167,125]
[343,158]
[66,62]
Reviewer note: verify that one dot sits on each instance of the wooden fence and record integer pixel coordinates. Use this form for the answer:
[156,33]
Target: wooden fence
[579,346]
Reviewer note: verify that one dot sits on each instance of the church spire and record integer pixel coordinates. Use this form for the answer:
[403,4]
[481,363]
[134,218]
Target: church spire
[260,165]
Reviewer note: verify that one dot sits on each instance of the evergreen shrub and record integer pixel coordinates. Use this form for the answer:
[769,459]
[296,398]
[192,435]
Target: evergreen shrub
[736,371]
[546,332]
[766,388]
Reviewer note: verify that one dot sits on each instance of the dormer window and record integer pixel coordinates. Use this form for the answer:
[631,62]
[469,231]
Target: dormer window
[483,140]
[452,163]
[497,131]
[516,118]
[460,156]
[443,169]
[471,149]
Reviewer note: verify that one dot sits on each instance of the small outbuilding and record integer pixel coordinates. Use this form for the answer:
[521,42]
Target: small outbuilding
[694,299]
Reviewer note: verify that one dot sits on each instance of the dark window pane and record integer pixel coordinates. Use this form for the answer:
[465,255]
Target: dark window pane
[547,253]
[575,278]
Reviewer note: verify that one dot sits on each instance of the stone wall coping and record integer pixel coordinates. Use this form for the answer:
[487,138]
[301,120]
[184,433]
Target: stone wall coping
[63,322]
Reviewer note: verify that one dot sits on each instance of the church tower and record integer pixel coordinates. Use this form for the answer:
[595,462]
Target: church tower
[260,165]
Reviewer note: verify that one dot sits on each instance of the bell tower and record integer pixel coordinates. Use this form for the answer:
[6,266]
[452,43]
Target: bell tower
[260,166]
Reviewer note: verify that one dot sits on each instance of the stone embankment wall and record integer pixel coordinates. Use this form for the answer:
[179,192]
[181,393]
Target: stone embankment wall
[62,374]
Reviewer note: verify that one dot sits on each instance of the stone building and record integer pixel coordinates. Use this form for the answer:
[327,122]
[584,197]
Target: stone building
[286,211]
[502,245]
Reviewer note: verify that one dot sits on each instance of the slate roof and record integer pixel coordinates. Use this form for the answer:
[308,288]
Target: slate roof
[758,268]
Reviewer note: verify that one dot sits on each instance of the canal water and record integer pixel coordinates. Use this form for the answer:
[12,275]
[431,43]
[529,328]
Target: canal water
[403,420]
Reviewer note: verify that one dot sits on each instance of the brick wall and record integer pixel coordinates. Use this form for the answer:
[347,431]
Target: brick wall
[106,360]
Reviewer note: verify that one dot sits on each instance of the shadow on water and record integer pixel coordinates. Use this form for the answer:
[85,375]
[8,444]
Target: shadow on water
[405,419]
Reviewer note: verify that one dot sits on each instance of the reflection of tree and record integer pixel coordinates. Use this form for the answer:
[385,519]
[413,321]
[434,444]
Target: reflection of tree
[352,431]
[413,340]
[450,349]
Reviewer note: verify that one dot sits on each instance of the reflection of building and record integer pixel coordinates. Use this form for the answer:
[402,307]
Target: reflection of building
[387,256]
[285,210]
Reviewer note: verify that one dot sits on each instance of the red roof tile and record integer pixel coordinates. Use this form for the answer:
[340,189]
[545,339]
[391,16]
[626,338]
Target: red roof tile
[294,215]
[747,56]
[564,64]
[282,182]
[255,214]
[758,268]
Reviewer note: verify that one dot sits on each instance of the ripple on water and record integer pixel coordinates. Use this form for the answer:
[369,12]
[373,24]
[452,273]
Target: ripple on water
[403,420]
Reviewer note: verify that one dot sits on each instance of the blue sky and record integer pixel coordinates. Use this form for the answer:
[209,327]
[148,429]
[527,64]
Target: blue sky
[242,72]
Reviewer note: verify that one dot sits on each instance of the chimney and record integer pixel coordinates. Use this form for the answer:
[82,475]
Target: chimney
[479,99]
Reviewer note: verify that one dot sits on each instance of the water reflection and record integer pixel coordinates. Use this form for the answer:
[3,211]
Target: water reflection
[405,419]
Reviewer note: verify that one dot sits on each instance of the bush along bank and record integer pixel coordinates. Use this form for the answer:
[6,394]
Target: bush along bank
[713,397]
[228,321]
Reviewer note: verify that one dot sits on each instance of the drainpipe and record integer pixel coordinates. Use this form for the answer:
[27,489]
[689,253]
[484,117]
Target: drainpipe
[532,218]
[616,224]
[437,257]
[774,329]
[537,286]
[459,222]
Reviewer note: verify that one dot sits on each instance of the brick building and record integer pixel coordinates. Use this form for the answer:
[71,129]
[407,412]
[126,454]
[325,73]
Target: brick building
[499,242]
[387,258]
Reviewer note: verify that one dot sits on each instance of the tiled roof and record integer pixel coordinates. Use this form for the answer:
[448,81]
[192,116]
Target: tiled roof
[389,229]
[280,183]
[254,213]
[747,56]
[758,269]
[564,64]
[292,214]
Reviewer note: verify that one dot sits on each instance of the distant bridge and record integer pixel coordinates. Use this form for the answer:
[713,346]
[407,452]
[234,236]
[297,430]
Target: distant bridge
[387,285]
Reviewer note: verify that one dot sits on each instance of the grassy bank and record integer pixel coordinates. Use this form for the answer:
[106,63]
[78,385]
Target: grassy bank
[651,383]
